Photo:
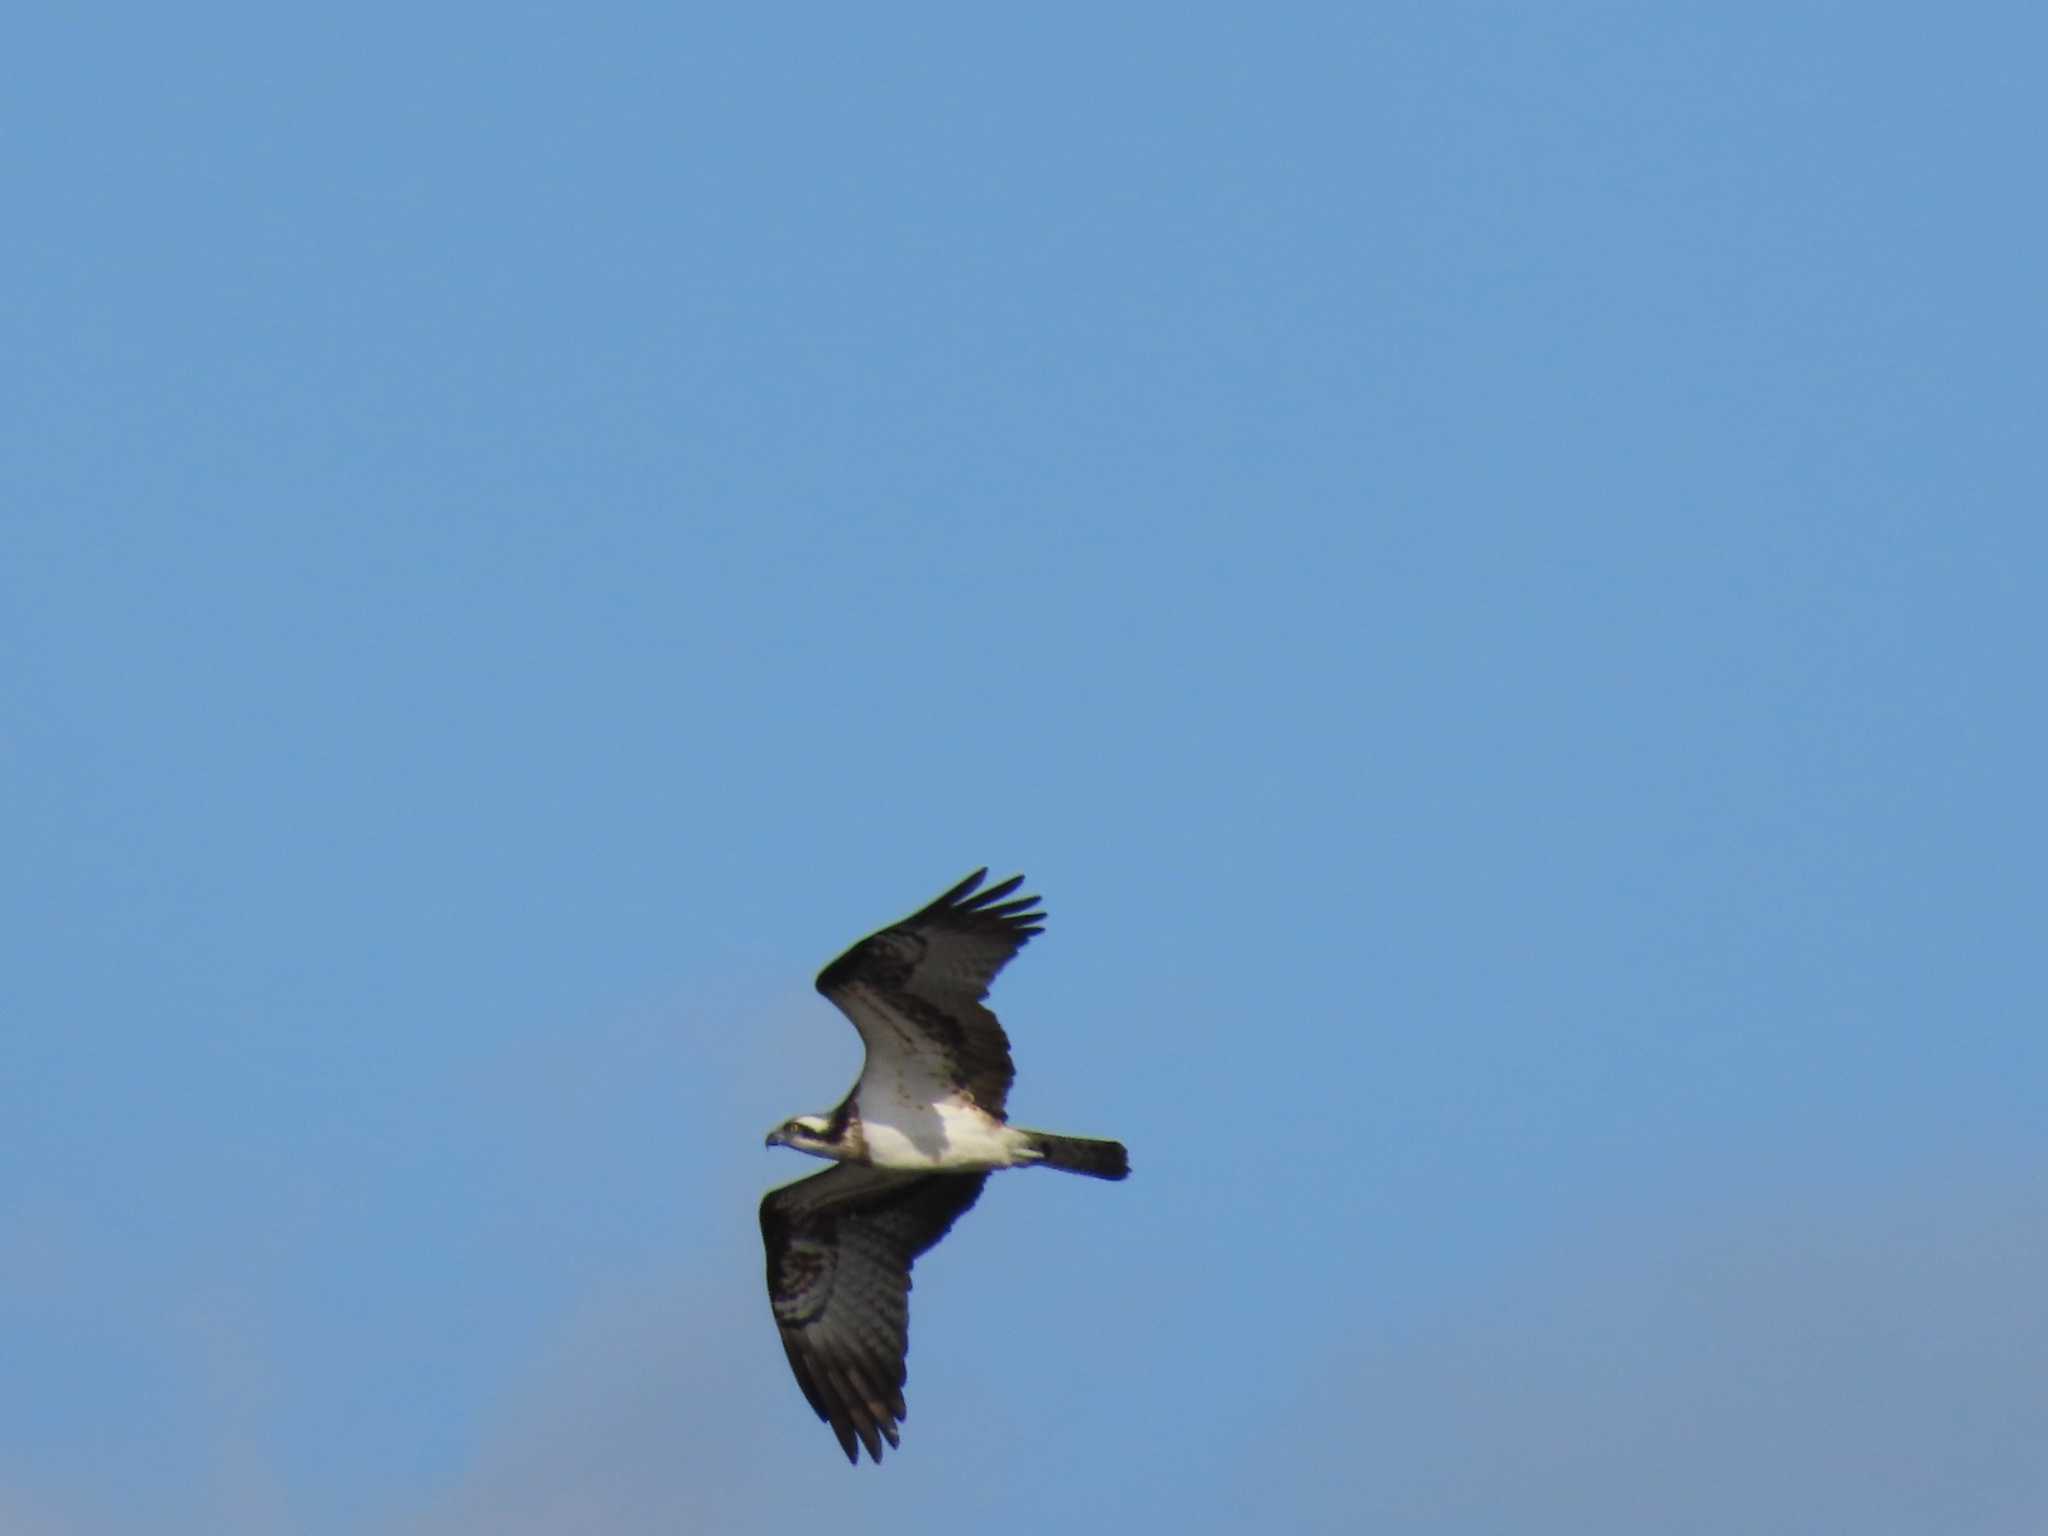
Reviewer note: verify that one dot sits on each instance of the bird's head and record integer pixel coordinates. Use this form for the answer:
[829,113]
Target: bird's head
[802,1132]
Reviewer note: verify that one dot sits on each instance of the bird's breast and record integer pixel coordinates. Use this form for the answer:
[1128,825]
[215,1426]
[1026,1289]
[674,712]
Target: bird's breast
[941,1137]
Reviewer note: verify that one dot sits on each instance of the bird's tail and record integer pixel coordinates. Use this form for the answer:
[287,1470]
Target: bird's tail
[1081,1154]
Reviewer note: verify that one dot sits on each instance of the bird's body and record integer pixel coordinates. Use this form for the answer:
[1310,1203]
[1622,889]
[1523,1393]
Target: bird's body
[914,1140]
[948,1138]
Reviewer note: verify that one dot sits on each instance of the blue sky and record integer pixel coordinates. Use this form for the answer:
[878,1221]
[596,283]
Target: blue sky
[1486,562]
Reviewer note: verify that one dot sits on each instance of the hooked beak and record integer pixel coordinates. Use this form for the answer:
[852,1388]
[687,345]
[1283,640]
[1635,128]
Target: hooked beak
[776,1138]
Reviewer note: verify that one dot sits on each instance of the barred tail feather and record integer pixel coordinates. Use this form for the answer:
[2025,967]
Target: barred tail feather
[1082,1154]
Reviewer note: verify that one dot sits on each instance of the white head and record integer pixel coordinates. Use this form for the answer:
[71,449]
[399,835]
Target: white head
[806,1133]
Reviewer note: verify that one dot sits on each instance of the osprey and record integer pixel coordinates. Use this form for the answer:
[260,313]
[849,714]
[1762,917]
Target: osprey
[912,1145]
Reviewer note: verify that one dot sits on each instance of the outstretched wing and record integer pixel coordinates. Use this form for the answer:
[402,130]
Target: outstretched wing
[914,992]
[840,1246]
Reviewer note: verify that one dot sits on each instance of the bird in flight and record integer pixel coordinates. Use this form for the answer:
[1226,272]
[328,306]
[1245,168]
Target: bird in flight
[911,1145]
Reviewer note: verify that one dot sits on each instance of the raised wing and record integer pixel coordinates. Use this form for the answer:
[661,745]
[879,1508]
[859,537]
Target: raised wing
[914,992]
[840,1246]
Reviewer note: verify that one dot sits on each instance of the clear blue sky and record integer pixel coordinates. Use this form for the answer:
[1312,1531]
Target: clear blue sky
[1486,560]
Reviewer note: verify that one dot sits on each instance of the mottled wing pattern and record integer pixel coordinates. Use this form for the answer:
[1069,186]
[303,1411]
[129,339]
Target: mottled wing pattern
[914,992]
[840,1246]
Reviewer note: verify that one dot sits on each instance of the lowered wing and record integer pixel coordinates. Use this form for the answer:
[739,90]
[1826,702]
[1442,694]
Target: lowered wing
[840,1246]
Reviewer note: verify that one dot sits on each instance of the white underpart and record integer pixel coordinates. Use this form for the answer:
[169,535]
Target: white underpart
[950,1134]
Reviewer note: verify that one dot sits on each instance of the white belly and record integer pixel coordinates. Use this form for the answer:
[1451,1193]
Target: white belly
[940,1136]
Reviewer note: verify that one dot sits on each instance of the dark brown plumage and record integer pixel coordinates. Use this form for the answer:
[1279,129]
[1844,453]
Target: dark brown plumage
[934,968]
[840,1246]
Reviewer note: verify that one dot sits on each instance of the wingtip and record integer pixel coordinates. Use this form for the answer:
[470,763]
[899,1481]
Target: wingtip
[966,887]
[999,890]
